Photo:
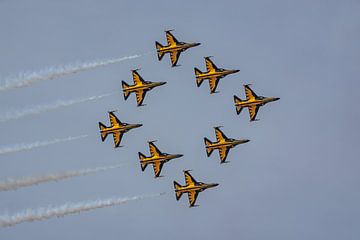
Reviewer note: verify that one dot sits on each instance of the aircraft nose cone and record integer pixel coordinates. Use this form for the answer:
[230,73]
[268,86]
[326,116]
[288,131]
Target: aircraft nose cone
[162,83]
[137,125]
[213,185]
[197,44]
[237,70]
[277,98]
[247,140]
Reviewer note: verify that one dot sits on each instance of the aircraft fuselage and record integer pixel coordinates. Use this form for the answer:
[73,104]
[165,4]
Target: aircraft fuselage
[255,102]
[143,86]
[160,158]
[225,144]
[216,74]
[193,187]
[120,128]
[180,47]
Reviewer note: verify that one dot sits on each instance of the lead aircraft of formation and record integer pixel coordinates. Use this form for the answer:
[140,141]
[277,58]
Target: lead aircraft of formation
[140,87]
[174,48]
[223,144]
[157,159]
[253,102]
[117,129]
[213,74]
[192,188]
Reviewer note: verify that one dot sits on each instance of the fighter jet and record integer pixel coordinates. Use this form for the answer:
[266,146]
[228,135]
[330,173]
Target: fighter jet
[223,144]
[213,74]
[174,47]
[117,129]
[140,87]
[253,102]
[157,159]
[192,188]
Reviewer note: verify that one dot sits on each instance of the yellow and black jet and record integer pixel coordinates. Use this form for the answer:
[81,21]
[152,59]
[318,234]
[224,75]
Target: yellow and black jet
[253,102]
[213,74]
[174,48]
[157,159]
[117,129]
[223,144]
[192,188]
[140,87]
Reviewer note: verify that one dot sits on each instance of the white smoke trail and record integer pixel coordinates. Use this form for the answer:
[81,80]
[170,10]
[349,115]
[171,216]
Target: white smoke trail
[29,146]
[30,215]
[28,78]
[12,184]
[33,110]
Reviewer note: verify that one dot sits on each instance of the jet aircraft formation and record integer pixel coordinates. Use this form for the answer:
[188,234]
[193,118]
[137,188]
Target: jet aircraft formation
[222,144]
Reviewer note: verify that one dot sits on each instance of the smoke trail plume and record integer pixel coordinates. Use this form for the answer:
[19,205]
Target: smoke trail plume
[29,146]
[28,78]
[33,110]
[30,215]
[12,184]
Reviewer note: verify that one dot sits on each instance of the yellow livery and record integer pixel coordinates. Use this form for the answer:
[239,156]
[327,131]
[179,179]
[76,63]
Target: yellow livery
[140,87]
[117,129]
[213,74]
[174,48]
[253,102]
[157,159]
[192,188]
[223,144]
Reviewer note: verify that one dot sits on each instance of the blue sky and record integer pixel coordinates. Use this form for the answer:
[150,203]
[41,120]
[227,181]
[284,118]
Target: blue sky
[297,178]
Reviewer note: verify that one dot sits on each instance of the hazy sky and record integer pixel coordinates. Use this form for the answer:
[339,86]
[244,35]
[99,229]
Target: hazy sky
[298,178]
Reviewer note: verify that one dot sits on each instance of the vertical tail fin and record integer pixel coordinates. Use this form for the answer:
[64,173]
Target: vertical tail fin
[126,92]
[199,80]
[177,194]
[159,53]
[103,134]
[209,150]
[238,107]
[142,164]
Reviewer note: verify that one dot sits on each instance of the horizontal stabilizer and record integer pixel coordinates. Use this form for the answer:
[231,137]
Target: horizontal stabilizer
[126,92]
[197,72]
[178,194]
[142,157]
[238,107]
[209,150]
[159,53]
[103,134]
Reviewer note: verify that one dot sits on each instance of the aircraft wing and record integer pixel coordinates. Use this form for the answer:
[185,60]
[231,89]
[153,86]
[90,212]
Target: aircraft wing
[157,168]
[192,195]
[223,152]
[174,57]
[136,77]
[140,95]
[219,134]
[117,138]
[114,120]
[250,95]
[189,180]
[172,41]
[253,110]
[154,151]
[213,82]
[210,66]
